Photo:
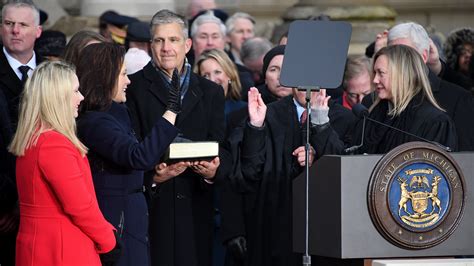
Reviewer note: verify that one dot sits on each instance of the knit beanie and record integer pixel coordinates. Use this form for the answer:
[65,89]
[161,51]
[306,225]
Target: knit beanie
[277,50]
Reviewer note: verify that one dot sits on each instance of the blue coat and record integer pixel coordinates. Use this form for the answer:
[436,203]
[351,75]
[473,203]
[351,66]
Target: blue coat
[118,162]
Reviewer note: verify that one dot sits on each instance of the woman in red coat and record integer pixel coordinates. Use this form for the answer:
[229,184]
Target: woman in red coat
[60,221]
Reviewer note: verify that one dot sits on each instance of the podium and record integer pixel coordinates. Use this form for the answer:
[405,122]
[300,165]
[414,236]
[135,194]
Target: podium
[340,225]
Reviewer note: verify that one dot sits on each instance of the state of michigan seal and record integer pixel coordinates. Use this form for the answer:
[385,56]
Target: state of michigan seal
[416,195]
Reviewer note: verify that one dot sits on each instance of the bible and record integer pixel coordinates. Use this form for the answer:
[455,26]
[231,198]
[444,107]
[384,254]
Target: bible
[186,150]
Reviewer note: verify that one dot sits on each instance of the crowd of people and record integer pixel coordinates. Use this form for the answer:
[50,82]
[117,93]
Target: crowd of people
[84,125]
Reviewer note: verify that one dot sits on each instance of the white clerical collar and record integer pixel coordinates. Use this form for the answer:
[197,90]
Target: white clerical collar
[299,109]
[236,56]
[15,64]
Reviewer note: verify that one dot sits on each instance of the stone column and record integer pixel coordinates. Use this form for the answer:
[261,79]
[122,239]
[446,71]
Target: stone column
[368,17]
[54,10]
[142,8]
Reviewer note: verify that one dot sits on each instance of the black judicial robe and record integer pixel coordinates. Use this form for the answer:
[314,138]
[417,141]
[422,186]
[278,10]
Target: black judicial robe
[458,104]
[420,118]
[264,170]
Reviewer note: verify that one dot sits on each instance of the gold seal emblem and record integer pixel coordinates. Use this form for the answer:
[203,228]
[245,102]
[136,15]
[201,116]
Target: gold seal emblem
[419,200]
[416,195]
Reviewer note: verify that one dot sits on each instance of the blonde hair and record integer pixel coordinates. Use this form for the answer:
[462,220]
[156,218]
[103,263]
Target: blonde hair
[235,87]
[46,105]
[408,77]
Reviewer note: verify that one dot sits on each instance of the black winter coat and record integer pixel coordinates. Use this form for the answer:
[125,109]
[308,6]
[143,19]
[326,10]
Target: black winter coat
[181,212]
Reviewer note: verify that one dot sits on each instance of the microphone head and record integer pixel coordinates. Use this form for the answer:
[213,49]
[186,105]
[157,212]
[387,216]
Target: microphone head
[359,110]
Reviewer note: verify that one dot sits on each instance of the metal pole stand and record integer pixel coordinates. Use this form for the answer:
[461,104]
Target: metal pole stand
[306,256]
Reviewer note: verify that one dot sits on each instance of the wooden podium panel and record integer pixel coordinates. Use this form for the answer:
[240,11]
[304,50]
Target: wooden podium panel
[340,225]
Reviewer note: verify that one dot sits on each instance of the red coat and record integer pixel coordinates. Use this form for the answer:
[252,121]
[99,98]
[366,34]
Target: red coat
[60,220]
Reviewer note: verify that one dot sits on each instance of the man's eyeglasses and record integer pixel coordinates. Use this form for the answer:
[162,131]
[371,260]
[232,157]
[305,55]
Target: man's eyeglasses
[357,95]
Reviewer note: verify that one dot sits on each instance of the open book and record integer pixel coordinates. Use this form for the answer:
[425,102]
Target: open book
[186,150]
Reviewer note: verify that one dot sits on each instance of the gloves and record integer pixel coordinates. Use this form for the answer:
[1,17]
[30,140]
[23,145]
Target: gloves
[174,99]
[237,248]
[111,258]
[319,116]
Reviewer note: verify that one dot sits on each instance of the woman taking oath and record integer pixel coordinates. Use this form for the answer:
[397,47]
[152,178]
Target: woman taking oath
[118,159]
[60,223]
[404,100]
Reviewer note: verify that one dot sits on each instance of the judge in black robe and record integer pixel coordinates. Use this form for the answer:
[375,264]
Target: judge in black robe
[420,118]
[421,115]
[265,166]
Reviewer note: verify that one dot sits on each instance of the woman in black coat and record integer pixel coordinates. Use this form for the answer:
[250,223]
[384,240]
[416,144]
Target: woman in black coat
[117,159]
[404,100]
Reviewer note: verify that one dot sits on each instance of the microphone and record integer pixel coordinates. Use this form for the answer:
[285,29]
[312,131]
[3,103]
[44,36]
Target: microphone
[361,111]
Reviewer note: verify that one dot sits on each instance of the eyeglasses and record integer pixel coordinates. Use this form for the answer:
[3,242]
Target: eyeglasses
[357,95]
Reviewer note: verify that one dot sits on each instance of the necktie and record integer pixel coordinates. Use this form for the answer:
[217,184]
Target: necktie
[24,73]
[303,117]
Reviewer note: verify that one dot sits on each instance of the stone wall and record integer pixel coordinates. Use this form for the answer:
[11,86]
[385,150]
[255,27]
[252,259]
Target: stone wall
[443,15]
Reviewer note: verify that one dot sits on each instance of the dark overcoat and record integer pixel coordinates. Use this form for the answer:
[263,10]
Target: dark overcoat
[7,166]
[11,89]
[9,218]
[118,162]
[459,105]
[11,85]
[181,213]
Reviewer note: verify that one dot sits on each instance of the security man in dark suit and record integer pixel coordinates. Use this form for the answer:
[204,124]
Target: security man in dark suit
[20,28]
[181,212]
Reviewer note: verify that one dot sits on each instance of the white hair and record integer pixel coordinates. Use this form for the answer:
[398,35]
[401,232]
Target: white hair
[413,32]
[230,23]
[207,17]
[23,3]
